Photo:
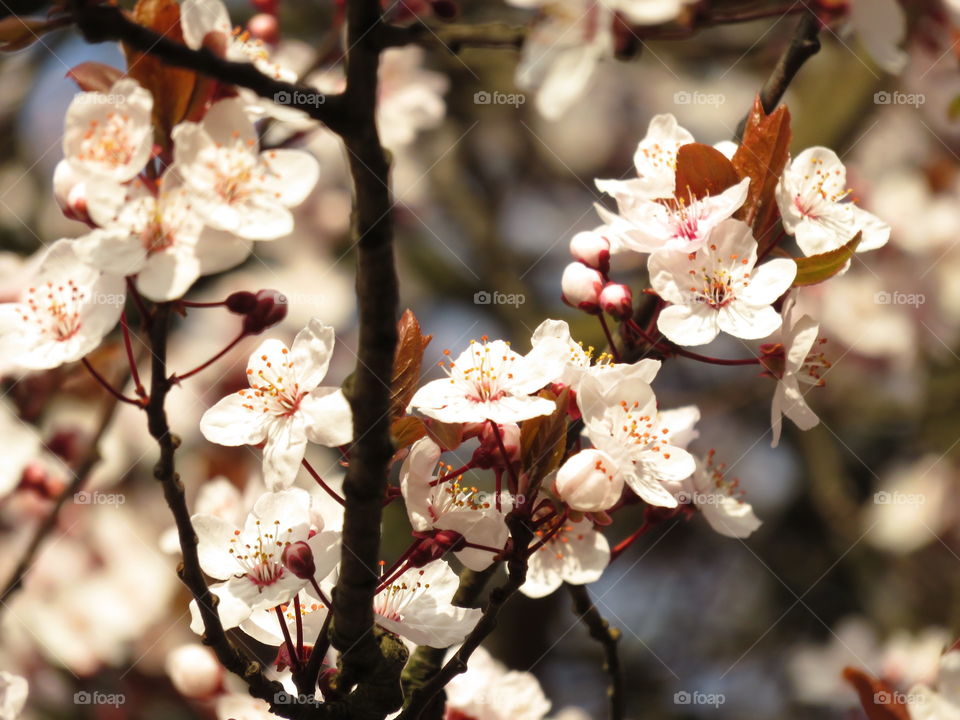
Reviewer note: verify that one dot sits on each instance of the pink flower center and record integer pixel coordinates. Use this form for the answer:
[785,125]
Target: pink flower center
[54,309]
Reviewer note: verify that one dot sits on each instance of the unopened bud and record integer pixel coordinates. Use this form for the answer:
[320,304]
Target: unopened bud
[271,309]
[435,547]
[265,27]
[488,454]
[297,557]
[194,671]
[581,286]
[617,300]
[71,193]
[592,249]
[241,302]
[588,481]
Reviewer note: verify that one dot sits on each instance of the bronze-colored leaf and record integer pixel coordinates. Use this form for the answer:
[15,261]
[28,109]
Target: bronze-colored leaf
[879,700]
[762,156]
[817,268]
[447,435]
[405,431]
[407,362]
[172,87]
[702,170]
[543,441]
[94,76]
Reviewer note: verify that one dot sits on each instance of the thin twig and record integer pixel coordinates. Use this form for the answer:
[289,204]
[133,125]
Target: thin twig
[608,637]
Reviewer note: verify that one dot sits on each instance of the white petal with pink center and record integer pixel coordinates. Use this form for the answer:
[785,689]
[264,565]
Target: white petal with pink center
[236,188]
[109,136]
[719,499]
[811,194]
[650,226]
[656,163]
[624,423]
[575,553]
[284,407]
[64,314]
[161,239]
[418,606]
[248,561]
[489,381]
[452,505]
[802,363]
[718,288]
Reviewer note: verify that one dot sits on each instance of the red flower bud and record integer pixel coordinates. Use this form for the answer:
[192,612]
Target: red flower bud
[581,287]
[298,558]
[271,309]
[592,249]
[488,454]
[435,547]
[617,300]
[241,302]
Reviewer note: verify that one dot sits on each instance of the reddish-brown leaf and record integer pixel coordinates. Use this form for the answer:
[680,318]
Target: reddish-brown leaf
[172,87]
[447,435]
[762,156]
[405,431]
[407,362]
[703,170]
[94,76]
[879,700]
[543,441]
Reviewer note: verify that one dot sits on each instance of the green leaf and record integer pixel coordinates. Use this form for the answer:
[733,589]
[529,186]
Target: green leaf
[817,268]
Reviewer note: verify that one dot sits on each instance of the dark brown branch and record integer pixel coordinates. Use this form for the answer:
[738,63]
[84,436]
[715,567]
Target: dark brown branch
[80,475]
[803,46]
[189,570]
[107,23]
[456,37]
[521,535]
[608,637]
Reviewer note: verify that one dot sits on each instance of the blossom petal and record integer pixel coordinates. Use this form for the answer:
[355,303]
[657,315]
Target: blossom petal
[327,417]
[686,325]
[230,422]
[311,353]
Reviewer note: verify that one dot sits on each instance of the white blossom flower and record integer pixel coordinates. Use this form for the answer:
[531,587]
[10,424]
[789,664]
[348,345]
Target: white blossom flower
[575,553]
[248,561]
[418,605]
[792,361]
[162,240]
[19,445]
[64,313]
[810,196]
[623,421]
[109,136]
[194,670]
[925,703]
[489,381]
[285,405]
[656,162]
[488,691]
[881,27]
[571,37]
[452,505]
[234,187]
[589,481]
[684,225]
[580,361]
[13,695]
[719,499]
[718,288]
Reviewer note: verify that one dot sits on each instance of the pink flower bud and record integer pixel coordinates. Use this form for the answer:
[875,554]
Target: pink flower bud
[581,287]
[435,547]
[298,558]
[488,454]
[592,249]
[617,300]
[588,481]
[271,309]
[265,27]
[71,193]
[194,671]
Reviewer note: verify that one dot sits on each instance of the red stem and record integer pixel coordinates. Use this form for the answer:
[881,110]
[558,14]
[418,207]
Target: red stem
[108,387]
[177,378]
[296,610]
[609,336]
[629,540]
[673,349]
[294,658]
[330,491]
[128,345]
